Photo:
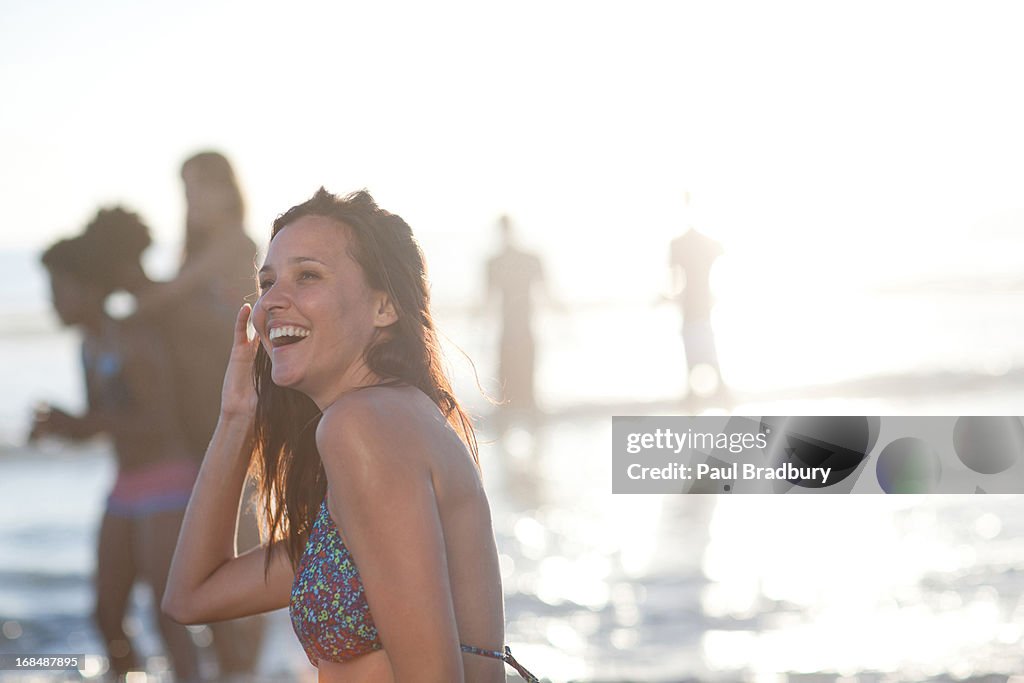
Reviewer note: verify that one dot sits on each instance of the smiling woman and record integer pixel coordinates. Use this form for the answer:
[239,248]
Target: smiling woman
[379,534]
[299,290]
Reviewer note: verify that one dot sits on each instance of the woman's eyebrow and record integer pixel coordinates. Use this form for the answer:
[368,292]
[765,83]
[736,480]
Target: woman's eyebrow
[293,260]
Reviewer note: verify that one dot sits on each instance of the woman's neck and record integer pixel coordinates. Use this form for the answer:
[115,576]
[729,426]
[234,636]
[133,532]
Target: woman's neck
[356,378]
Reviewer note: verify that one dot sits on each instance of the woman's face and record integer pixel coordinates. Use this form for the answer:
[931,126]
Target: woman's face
[316,315]
[75,302]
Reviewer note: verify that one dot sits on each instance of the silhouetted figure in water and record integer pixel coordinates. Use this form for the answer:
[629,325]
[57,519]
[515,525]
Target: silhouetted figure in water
[691,256]
[514,275]
[130,384]
[197,309]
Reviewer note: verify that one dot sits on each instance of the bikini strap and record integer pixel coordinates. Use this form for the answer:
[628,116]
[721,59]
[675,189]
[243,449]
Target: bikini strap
[511,661]
[506,657]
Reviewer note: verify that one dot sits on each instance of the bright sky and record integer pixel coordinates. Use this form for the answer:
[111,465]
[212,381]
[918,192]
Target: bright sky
[814,137]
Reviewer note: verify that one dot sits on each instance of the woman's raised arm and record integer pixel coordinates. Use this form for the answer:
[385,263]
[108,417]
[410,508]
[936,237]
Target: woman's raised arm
[207,581]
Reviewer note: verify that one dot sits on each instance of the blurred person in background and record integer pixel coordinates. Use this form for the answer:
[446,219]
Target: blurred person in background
[513,277]
[216,274]
[219,257]
[130,390]
[196,310]
[691,256]
[379,531]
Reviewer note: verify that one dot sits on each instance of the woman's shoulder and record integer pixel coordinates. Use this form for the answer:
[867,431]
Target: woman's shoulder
[379,423]
[374,405]
[369,449]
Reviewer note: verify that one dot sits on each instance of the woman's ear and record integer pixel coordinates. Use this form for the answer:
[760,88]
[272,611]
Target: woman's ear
[384,311]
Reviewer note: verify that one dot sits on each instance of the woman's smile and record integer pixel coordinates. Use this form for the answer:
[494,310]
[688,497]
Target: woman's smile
[285,335]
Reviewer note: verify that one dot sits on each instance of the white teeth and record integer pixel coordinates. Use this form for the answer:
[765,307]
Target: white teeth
[288,331]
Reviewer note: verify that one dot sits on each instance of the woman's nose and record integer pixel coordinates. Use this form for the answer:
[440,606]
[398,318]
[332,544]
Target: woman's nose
[274,298]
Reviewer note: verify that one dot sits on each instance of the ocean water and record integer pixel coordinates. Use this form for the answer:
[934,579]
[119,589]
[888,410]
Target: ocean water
[609,588]
[640,588]
[614,344]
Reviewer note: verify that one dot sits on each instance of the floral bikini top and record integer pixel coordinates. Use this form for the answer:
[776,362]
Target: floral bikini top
[328,605]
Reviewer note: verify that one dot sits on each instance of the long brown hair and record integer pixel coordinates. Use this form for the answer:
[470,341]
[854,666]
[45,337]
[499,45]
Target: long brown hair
[291,481]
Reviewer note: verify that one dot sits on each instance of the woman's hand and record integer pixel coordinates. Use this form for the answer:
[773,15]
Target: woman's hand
[238,397]
[51,421]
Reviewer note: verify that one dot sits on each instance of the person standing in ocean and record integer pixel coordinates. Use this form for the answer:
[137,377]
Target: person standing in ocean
[691,256]
[513,277]
[196,311]
[129,384]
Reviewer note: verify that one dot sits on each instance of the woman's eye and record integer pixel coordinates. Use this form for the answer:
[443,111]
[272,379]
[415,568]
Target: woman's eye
[309,275]
[266,284]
